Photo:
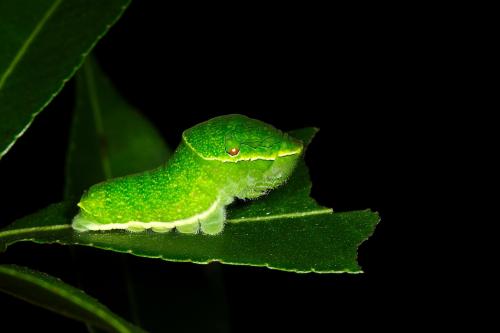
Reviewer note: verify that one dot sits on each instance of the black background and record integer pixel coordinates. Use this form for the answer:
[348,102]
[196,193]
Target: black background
[349,71]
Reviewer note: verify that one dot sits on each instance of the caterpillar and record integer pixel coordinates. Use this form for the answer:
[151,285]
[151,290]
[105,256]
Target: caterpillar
[227,157]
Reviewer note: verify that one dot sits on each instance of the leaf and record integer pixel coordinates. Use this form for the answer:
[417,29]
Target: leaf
[297,235]
[53,294]
[43,43]
[109,138]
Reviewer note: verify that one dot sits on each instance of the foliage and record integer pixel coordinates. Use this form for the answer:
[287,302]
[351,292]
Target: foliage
[286,230]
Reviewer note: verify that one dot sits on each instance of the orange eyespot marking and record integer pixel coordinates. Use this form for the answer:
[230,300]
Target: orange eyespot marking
[233,151]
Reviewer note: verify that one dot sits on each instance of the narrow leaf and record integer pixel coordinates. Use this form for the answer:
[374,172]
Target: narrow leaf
[286,230]
[43,42]
[109,138]
[53,294]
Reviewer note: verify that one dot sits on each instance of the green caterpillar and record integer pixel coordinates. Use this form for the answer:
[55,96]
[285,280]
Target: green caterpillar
[224,158]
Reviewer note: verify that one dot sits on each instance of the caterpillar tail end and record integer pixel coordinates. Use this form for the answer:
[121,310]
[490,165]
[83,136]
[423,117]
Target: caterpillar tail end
[80,223]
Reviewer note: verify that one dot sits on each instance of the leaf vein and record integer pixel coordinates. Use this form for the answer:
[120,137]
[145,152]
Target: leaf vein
[19,55]
[92,308]
[99,125]
[33,229]
[282,216]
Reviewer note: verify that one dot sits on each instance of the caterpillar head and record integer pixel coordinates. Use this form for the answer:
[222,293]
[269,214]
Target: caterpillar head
[234,138]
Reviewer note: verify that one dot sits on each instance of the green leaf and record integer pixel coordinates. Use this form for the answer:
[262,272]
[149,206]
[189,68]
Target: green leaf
[109,138]
[286,230]
[43,43]
[53,294]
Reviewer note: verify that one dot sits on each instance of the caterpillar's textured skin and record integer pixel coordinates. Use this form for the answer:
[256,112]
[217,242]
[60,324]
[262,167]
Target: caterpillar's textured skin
[220,159]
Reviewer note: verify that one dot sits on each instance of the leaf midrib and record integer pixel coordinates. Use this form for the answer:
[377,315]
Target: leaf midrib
[19,55]
[91,308]
[34,229]
[282,216]
[99,125]
[56,227]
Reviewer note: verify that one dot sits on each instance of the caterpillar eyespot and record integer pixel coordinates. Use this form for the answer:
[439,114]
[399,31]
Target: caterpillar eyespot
[233,151]
[206,173]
